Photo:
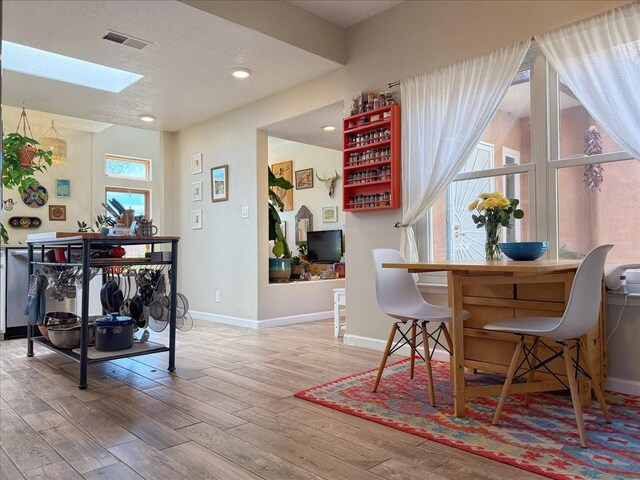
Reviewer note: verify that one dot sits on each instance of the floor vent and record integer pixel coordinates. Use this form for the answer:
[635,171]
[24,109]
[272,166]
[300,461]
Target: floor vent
[125,40]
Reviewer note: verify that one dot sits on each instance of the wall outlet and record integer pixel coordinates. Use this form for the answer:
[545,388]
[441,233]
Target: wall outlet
[245,211]
[217,296]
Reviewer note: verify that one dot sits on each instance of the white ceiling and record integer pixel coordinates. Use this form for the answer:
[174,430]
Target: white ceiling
[307,128]
[185,67]
[345,13]
[60,121]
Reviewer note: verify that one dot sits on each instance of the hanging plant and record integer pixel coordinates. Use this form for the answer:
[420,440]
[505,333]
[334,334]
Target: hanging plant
[21,160]
[594,173]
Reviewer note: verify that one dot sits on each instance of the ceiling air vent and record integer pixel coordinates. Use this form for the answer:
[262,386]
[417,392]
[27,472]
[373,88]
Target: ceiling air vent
[125,40]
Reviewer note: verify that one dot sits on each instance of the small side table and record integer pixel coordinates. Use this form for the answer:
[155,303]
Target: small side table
[339,299]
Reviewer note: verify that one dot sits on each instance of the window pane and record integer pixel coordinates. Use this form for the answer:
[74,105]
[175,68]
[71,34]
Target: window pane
[135,200]
[509,133]
[588,218]
[456,237]
[575,123]
[123,167]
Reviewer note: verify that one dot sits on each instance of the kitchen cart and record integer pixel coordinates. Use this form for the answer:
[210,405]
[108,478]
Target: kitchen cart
[86,242]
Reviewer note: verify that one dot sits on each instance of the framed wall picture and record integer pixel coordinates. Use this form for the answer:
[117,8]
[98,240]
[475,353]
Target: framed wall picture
[196,191]
[57,213]
[329,214]
[284,170]
[304,178]
[196,219]
[196,163]
[220,183]
[63,187]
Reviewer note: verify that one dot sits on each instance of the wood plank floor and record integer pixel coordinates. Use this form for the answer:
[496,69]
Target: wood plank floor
[227,412]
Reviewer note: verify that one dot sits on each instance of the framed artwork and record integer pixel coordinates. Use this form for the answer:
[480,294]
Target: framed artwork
[196,163]
[196,219]
[57,213]
[304,178]
[329,214]
[220,183]
[285,170]
[196,191]
[63,187]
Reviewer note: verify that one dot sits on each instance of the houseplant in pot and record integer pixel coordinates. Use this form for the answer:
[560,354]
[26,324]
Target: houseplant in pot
[16,150]
[280,266]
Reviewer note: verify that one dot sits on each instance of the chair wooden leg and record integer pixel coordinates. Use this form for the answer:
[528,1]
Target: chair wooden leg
[385,355]
[594,383]
[532,374]
[427,359]
[507,383]
[575,395]
[412,344]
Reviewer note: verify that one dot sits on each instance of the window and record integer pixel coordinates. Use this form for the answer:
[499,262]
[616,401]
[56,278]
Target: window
[139,201]
[127,167]
[500,162]
[534,150]
[130,198]
[595,185]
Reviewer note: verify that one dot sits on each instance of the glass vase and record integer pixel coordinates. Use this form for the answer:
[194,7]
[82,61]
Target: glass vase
[491,246]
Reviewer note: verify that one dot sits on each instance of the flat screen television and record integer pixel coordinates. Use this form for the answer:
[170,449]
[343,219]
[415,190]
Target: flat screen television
[324,246]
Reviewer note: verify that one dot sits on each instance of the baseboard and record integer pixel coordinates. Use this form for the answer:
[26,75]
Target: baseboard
[630,387]
[258,324]
[379,345]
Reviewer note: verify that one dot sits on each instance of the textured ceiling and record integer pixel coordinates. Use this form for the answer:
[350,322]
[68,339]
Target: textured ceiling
[186,66]
[306,128]
[345,13]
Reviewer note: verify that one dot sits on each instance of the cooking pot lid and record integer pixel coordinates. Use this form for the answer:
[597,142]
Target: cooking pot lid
[114,321]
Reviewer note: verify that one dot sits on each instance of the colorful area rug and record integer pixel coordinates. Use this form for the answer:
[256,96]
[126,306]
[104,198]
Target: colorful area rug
[540,438]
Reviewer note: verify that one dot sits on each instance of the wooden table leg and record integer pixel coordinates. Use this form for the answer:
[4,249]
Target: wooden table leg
[457,336]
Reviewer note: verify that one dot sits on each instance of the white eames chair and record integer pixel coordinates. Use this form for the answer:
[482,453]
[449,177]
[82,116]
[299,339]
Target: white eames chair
[580,316]
[398,296]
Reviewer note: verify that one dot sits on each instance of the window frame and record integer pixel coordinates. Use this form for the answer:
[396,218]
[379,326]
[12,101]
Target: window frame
[544,166]
[123,158]
[556,163]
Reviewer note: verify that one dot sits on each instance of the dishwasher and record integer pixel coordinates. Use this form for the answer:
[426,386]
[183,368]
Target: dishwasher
[16,286]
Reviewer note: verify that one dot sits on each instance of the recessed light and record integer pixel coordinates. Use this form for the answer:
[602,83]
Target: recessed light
[241,72]
[40,63]
[328,128]
[147,118]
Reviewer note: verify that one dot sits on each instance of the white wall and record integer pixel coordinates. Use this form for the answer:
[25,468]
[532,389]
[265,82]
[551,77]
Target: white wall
[85,169]
[410,38]
[77,169]
[325,162]
[129,142]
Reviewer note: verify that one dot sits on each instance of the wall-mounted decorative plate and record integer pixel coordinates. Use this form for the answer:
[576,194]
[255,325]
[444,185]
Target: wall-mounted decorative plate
[35,196]
[25,222]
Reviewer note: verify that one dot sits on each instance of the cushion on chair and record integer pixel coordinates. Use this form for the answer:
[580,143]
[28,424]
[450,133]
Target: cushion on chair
[526,325]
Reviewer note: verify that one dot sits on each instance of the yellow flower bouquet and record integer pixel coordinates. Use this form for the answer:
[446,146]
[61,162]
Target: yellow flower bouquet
[494,210]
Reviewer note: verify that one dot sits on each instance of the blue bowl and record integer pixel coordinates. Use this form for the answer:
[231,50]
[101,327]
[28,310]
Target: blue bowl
[524,250]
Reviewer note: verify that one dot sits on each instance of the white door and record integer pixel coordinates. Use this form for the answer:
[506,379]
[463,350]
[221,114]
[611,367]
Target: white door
[464,239]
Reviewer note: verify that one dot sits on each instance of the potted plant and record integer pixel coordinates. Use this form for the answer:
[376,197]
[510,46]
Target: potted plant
[21,160]
[302,250]
[280,266]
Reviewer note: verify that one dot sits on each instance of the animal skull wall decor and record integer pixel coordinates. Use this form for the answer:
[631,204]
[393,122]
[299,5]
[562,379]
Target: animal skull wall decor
[330,182]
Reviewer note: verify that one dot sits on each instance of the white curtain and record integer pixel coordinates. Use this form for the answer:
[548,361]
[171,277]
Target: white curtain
[599,60]
[444,113]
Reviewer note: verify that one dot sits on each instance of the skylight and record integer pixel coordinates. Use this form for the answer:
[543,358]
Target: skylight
[40,63]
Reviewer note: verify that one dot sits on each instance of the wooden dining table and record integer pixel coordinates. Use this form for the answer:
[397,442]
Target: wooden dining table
[497,290]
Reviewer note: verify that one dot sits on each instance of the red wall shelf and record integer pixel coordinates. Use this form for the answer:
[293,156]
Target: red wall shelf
[371,160]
